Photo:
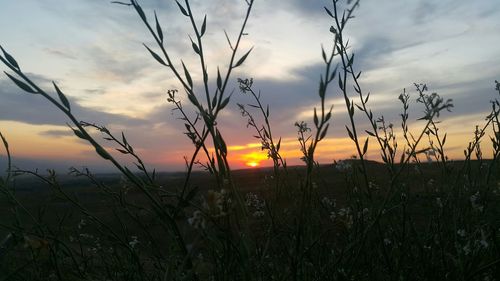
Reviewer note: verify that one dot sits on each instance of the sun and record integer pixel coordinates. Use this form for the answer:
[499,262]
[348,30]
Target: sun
[252,164]
[253,159]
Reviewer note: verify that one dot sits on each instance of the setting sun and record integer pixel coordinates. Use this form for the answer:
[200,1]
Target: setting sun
[253,159]
[252,164]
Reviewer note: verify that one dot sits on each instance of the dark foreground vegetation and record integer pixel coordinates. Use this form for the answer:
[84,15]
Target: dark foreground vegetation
[399,219]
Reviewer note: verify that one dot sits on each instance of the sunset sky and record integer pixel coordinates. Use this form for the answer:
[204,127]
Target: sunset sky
[93,50]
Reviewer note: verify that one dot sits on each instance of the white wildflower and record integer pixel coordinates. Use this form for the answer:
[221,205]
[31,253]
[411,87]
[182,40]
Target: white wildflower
[466,249]
[197,220]
[475,201]
[328,202]
[82,223]
[333,215]
[439,203]
[461,232]
[342,166]
[258,214]
[133,242]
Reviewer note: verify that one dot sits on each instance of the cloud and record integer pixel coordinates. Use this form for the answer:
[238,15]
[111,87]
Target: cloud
[17,105]
[57,133]
[60,53]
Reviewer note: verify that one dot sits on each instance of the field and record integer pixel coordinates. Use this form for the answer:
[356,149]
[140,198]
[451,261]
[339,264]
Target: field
[419,224]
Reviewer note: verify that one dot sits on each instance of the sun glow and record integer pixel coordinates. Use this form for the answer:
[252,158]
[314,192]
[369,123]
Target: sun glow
[253,159]
[252,164]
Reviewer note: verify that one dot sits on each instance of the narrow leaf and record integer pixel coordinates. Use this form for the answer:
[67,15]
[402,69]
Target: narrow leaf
[328,116]
[188,76]
[243,58]
[155,56]
[103,153]
[316,121]
[219,79]
[195,47]
[224,103]
[158,28]
[183,11]
[350,133]
[365,147]
[193,99]
[21,84]
[328,12]
[79,134]
[124,140]
[214,101]
[370,133]
[10,59]
[140,12]
[122,151]
[323,134]
[62,97]
[204,26]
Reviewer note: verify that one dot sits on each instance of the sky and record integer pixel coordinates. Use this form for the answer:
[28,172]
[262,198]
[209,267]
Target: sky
[93,50]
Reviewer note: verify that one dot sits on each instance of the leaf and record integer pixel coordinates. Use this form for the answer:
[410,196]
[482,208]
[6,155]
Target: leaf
[155,56]
[316,121]
[158,28]
[214,101]
[122,151]
[21,84]
[328,116]
[124,140]
[323,134]
[140,12]
[278,145]
[62,97]
[323,54]
[365,147]
[328,12]
[243,58]
[203,26]
[195,47]
[351,60]
[188,76]
[10,59]
[370,133]
[103,153]
[219,79]
[183,11]
[79,134]
[193,99]
[350,133]
[224,103]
